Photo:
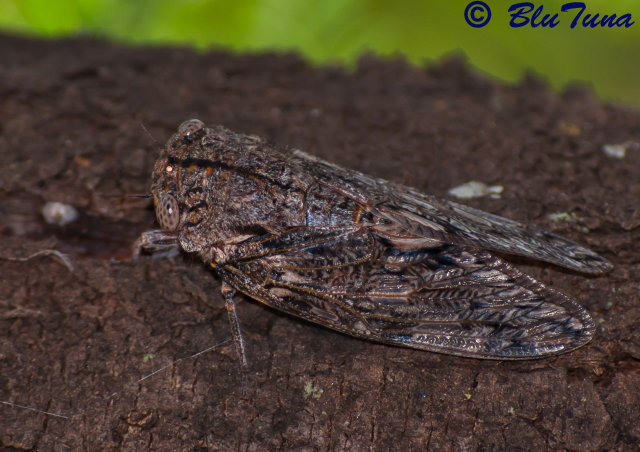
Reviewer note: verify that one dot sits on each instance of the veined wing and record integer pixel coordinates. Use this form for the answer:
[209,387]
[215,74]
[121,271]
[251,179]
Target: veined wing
[446,298]
[415,215]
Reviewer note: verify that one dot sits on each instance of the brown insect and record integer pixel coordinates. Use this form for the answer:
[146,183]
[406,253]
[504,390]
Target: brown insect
[363,256]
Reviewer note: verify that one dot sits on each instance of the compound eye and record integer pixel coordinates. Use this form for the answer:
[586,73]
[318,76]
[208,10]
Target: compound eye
[168,213]
[188,128]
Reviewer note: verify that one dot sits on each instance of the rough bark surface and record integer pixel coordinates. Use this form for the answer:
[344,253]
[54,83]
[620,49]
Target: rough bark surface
[70,116]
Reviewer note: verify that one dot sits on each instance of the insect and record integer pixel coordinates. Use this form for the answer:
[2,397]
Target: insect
[363,256]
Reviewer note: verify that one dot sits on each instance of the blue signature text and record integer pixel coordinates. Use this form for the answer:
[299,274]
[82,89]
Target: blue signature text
[520,18]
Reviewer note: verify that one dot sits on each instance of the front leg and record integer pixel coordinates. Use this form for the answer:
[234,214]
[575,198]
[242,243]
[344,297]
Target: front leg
[228,292]
[158,242]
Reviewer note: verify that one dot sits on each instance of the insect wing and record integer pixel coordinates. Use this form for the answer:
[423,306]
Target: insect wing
[412,213]
[445,298]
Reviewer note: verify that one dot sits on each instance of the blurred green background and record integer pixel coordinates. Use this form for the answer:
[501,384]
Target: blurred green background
[339,31]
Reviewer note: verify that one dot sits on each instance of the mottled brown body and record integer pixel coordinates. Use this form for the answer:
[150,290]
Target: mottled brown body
[360,255]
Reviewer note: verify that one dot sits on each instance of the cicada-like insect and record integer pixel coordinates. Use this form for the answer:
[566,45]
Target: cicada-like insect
[363,256]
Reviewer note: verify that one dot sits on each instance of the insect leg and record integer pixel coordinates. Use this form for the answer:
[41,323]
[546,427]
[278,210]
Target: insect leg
[158,242]
[228,292]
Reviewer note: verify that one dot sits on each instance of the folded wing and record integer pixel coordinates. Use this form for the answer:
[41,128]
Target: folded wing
[413,214]
[445,298]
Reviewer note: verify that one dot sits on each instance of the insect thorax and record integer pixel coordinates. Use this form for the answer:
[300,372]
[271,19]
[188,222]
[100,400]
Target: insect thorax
[229,188]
